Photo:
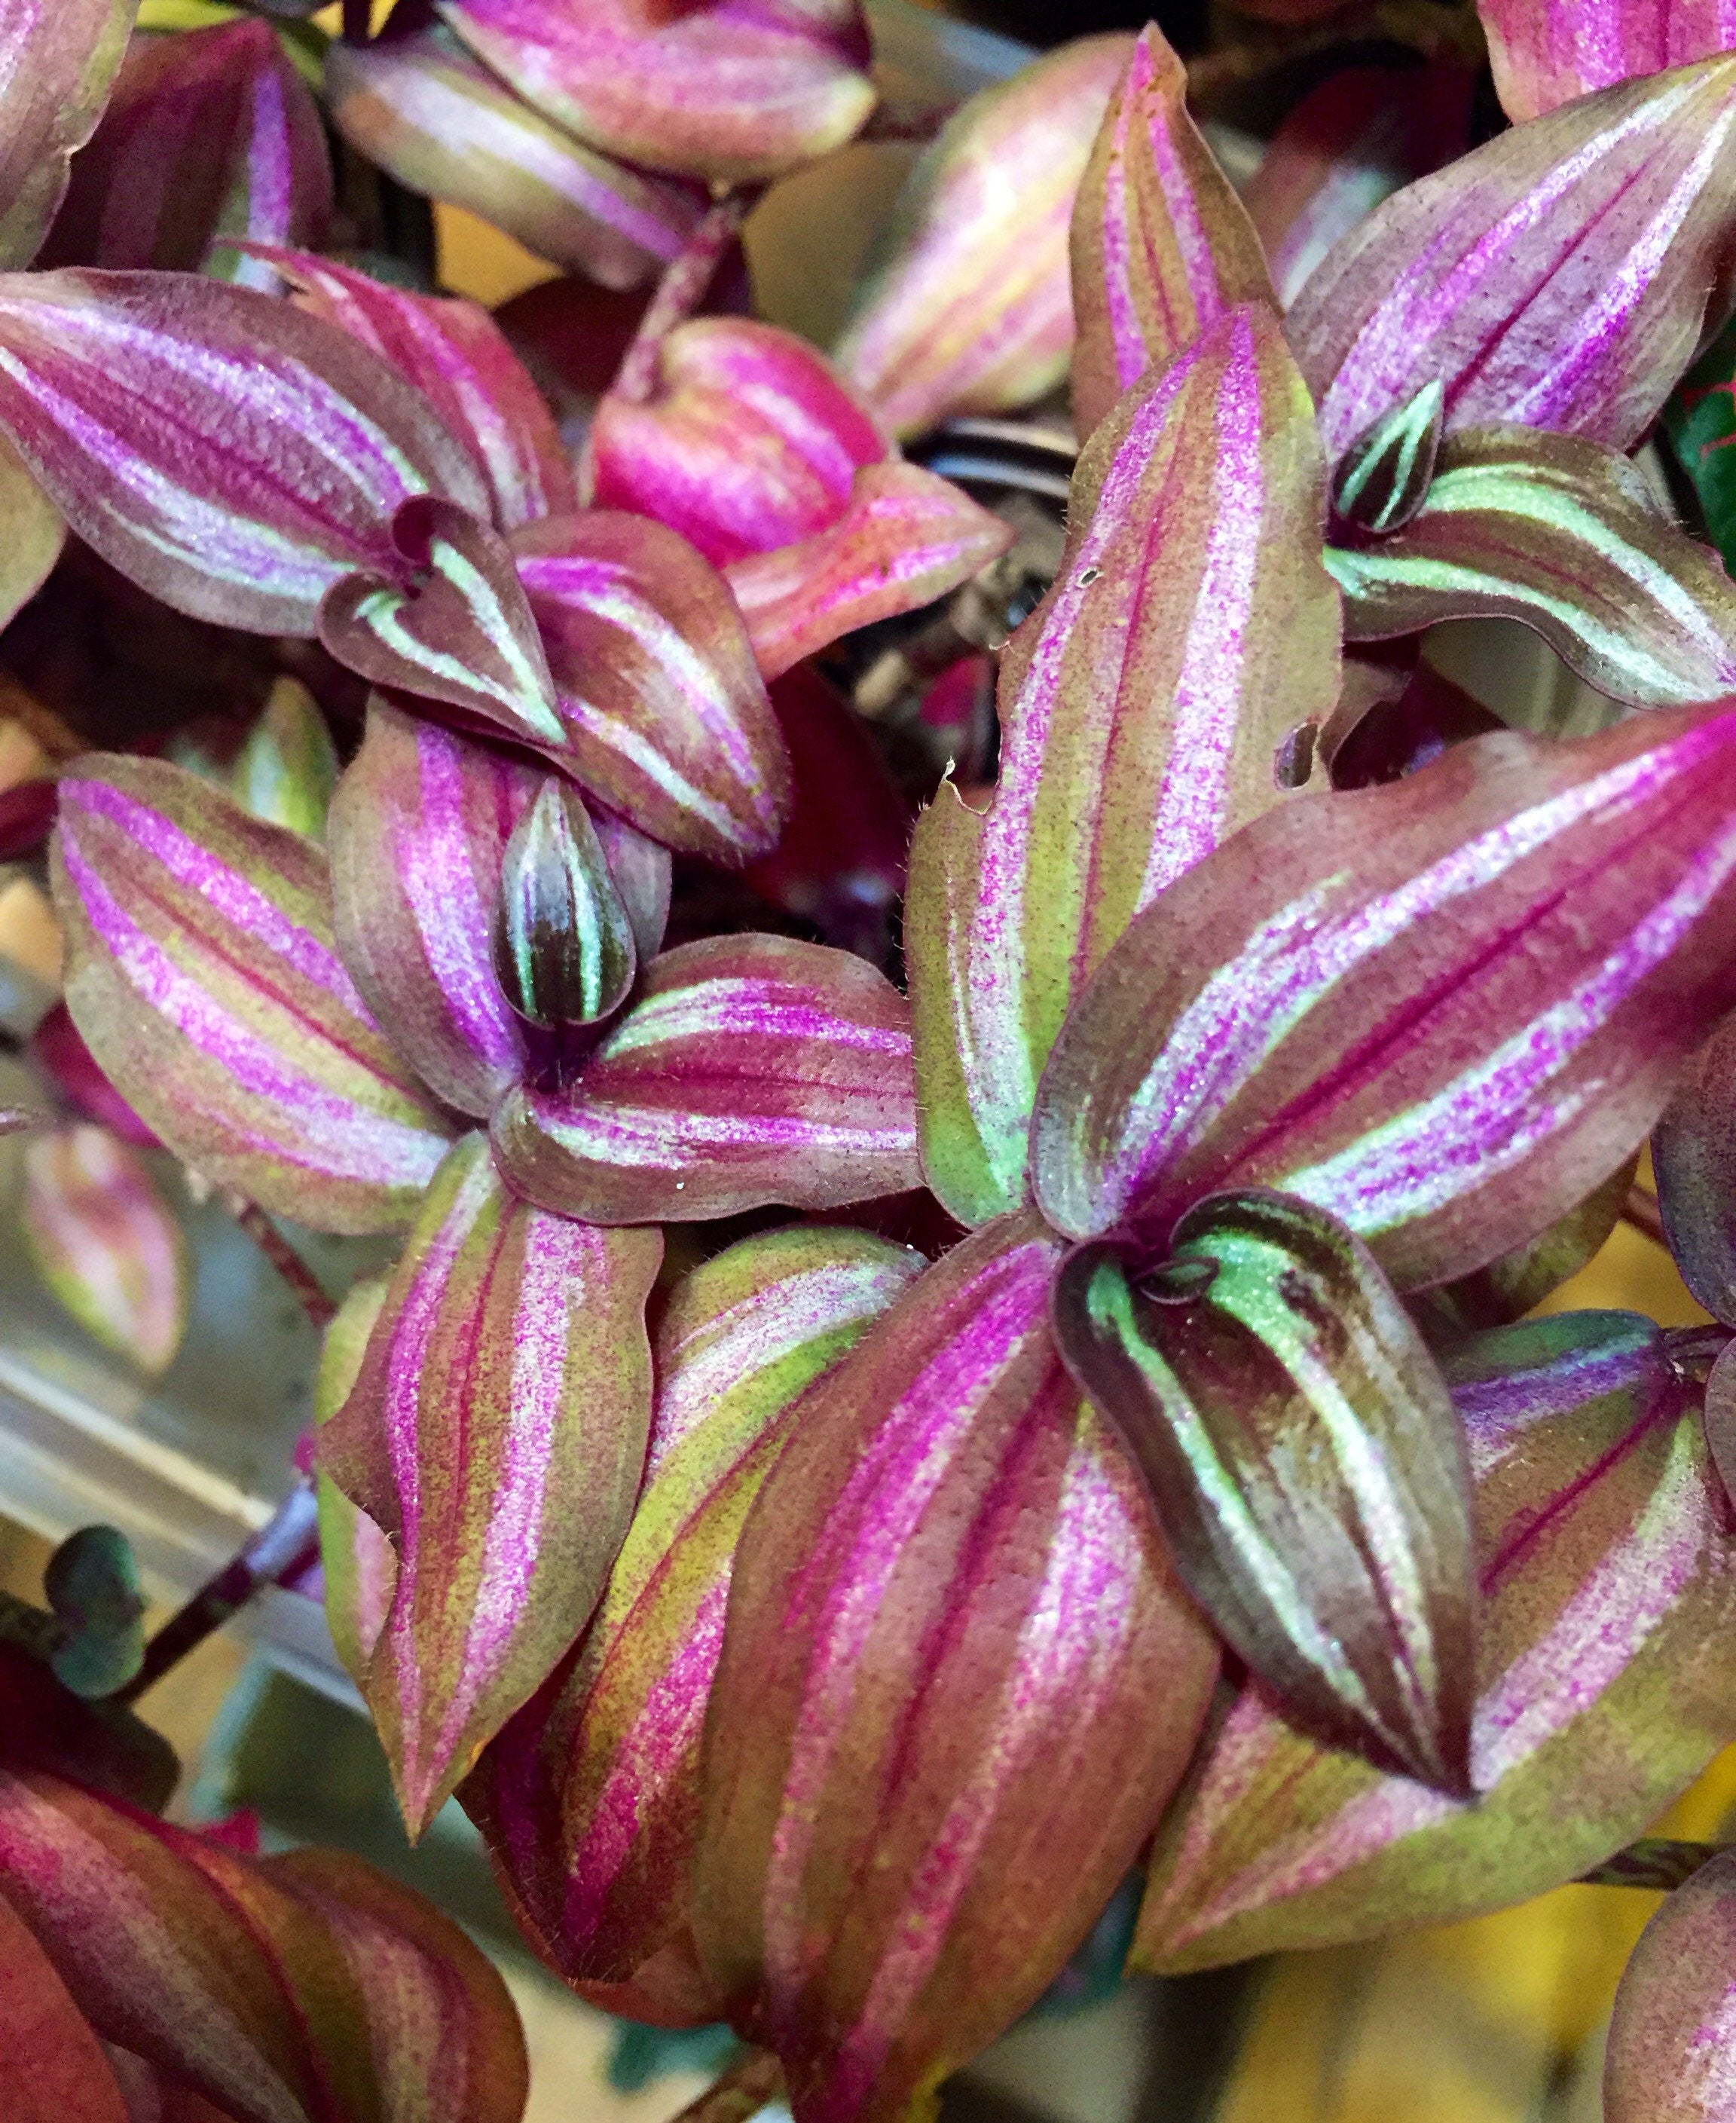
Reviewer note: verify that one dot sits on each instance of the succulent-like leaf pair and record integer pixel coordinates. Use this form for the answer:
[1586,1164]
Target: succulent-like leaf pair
[1556,279]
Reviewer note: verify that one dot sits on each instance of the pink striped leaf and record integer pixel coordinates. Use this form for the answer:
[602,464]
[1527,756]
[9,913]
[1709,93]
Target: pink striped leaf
[1348,145]
[228,454]
[663,713]
[731,91]
[590,1798]
[1566,536]
[358,1564]
[746,440]
[419,828]
[1190,628]
[59,2072]
[750,1069]
[905,538]
[100,1235]
[448,621]
[1694,1159]
[1306,1464]
[1162,246]
[1548,52]
[958,1685]
[204,976]
[1606,1676]
[1442,1010]
[1559,277]
[966,307]
[1668,2057]
[62,57]
[458,357]
[495,1433]
[208,134]
[418,105]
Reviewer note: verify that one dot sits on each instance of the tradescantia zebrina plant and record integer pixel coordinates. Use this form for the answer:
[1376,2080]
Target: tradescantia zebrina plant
[821,1622]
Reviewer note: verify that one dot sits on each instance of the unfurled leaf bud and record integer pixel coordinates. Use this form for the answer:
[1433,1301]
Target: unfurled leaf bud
[288,766]
[564,947]
[967,307]
[106,1243]
[1384,476]
[748,441]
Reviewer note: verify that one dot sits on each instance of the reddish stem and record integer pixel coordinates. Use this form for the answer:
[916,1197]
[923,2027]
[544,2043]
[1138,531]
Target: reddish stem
[320,1309]
[679,293]
[1641,1210]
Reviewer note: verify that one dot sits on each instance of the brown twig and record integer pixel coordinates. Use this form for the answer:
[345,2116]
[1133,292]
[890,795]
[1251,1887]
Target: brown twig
[283,1256]
[1654,1862]
[755,2078]
[1640,1210]
[679,293]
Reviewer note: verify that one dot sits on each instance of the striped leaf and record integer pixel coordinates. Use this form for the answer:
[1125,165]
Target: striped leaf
[750,1069]
[448,621]
[1383,480]
[59,2072]
[35,533]
[100,1235]
[564,952]
[210,134]
[663,713]
[420,107]
[458,357]
[1548,52]
[1141,707]
[1607,1674]
[286,771]
[1162,246]
[62,55]
[496,1434]
[1694,1159]
[1349,144]
[746,440]
[1517,1282]
[1306,1464]
[590,1797]
[228,454]
[1559,277]
[966,307]
[1568,538]
[203,974]
[958,1685]
[905,538]
[357,1562]
[1442,1010]
[1669,2058]
[732,91]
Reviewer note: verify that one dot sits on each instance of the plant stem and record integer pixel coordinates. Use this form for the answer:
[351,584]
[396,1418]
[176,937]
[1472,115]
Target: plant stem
[1641,1210]
[287,1542]
[320,1309]
[679,293]
[1654,1862]
[755,2078]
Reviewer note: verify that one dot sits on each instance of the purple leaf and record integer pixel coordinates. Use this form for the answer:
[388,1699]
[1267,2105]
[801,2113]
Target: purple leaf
[1694,1157]
[208,134]
[1306,1464]
[225,452]
[590,1797]
[1548,52]
[1607,1672]
[458,357]
[1668,2055]
[1566,536]
[727,90]
[496,1433]
[448,622]
[663,713]
[202,973]
[905,538]
[958,1686]
[1442,1010]
[61,60]
[1162,246]
[418,105]
[1559,277]
[1190,626]
[750,1069]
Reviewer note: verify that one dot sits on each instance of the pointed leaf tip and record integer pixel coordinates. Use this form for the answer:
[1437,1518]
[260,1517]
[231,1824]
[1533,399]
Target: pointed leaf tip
[1382,479]
[564,951]
[1307,1465]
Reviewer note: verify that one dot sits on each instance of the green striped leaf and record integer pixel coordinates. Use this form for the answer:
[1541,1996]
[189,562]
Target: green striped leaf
[203,974]
[1382,480]
[1606,1676]
[590,1797]
[1568,538]
[495,1433]
[1306,1464]
[1190,627]
[288,769]
[564,949]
